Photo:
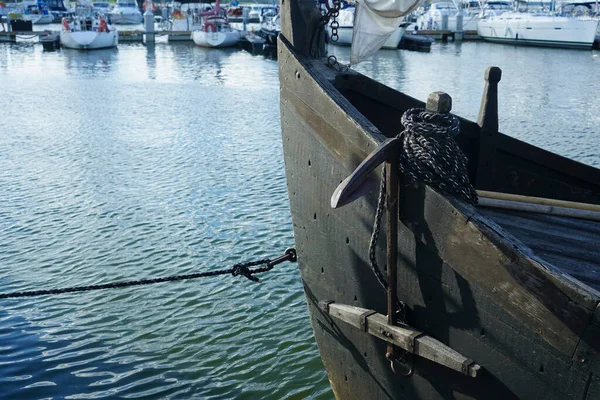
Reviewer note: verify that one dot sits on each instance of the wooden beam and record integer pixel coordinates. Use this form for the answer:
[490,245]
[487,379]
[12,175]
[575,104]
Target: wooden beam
[405,337]
[488,124]
[539,209]
[301,26]
[539,201]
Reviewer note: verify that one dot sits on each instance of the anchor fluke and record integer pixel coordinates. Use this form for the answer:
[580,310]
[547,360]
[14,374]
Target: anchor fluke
[358,184]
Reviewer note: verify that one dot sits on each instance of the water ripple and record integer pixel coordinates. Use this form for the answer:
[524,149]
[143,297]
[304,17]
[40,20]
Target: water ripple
[147,169]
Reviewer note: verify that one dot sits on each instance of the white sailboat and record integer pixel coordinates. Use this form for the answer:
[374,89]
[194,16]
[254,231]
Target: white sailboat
[38,14]
[215,30]
[540,29]
[346,30]
[126,12]
[88,33]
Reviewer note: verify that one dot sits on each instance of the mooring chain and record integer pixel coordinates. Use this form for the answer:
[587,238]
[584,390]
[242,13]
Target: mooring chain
[333,11]
[429,155]
[330,17]
[236,270]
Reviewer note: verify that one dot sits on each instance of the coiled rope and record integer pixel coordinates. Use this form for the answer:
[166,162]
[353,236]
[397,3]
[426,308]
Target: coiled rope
[429,154]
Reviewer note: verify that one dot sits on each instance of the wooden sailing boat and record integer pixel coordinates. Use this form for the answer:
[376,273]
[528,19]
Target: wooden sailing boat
[500,303]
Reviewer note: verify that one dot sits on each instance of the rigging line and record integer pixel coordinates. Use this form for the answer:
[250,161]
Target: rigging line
[238,269]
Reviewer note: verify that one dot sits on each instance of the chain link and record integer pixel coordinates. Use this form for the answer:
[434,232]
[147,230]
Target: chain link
[333,11]
[236,270]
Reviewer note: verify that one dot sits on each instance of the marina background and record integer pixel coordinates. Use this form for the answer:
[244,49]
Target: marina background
[150,161]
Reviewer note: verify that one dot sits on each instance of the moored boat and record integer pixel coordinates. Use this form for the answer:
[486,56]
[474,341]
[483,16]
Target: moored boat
[103,7]
[215,30]
[88,33]
[445,16]
[126,12]
[38,14]
[539,30]
[269,30]
[491,300]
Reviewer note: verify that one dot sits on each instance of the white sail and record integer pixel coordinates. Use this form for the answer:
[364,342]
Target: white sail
[374,22]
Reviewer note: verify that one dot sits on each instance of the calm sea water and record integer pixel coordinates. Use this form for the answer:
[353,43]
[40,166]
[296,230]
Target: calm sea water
[147,162]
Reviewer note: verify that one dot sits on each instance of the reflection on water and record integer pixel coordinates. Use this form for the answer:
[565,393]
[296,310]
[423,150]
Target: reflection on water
[145,162]
[93,62]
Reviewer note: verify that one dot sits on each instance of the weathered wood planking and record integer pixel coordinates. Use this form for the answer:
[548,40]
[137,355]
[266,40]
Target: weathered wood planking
[486,259]
[333,265]
[412,340]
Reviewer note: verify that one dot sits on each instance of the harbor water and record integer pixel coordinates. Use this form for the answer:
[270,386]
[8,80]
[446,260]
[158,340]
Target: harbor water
[144,162]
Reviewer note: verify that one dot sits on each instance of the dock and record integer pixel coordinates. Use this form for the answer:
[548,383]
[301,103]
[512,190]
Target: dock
[250,41]
[449,35]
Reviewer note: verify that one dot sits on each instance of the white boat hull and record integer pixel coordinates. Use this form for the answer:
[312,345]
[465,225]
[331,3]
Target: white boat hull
[539,30]
[345,37]
[126,18]
[38,19]
[89,40]
[215,39]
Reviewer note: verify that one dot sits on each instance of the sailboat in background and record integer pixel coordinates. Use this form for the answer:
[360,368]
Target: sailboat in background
[126,12]
[88,32]
[215,30]
[38,14]
[552,29]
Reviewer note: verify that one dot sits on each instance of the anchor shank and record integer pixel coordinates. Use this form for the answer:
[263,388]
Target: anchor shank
[392,205]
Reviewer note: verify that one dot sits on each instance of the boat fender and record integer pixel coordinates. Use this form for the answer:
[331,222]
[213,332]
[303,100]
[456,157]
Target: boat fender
[212,25]
[65,24]
[153,6]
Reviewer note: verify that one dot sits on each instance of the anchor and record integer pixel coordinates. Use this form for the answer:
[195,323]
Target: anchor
[398,337]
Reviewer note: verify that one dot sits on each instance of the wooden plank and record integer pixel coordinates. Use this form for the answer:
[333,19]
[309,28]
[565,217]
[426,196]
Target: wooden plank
[490,257]
[539,209]
[301,26]
[405,337]
[539,200]
[488,122]
[549,160]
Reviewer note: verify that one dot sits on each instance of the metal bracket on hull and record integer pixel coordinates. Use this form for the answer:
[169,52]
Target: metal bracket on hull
[407,338]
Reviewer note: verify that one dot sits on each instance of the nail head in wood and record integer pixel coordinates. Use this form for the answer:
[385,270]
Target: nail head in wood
[439,102]
[493,74]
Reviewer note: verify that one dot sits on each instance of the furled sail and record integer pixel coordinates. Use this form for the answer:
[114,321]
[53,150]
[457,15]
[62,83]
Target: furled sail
[374,23]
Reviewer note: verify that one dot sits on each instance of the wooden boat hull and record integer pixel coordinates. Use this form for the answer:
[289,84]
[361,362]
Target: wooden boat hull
[464,280]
